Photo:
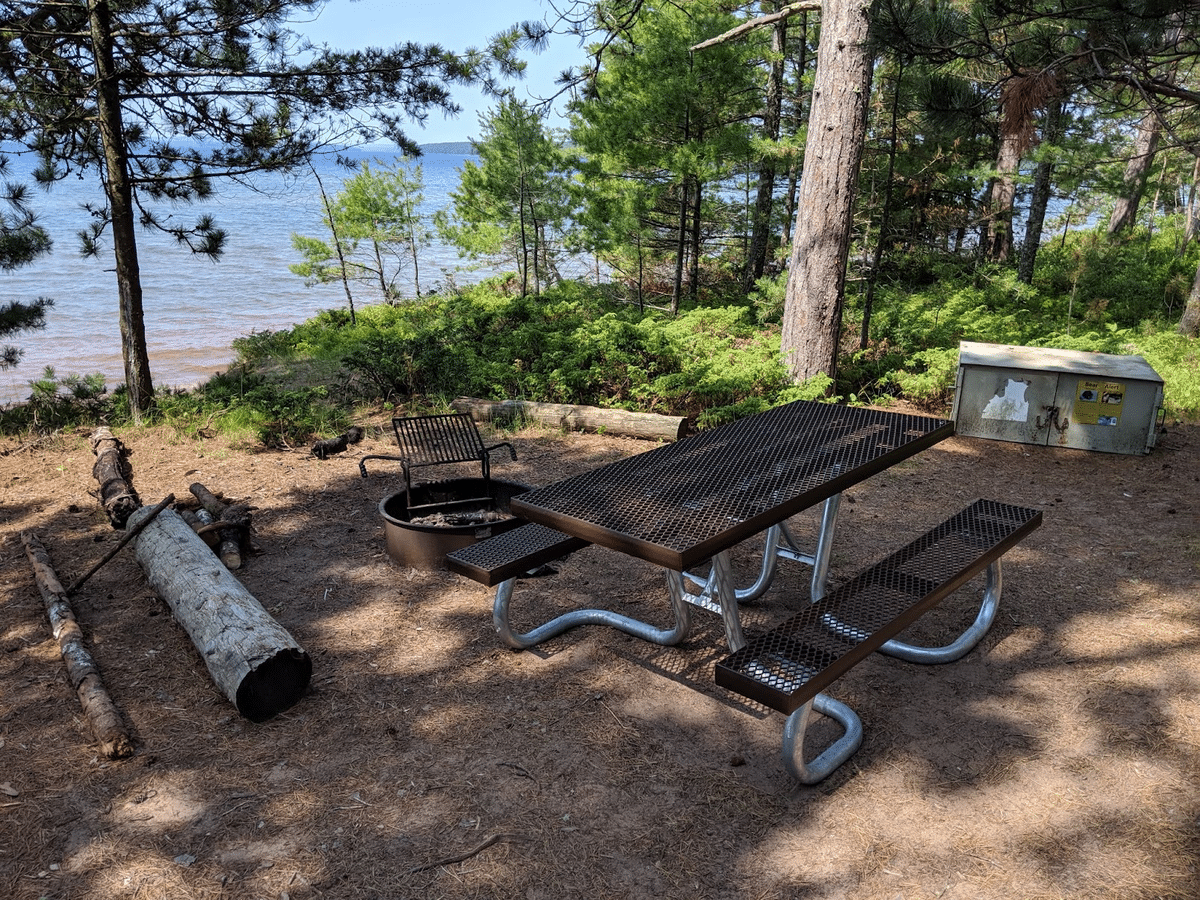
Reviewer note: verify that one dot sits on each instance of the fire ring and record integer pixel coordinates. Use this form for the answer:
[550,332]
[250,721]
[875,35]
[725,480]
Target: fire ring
[443,516]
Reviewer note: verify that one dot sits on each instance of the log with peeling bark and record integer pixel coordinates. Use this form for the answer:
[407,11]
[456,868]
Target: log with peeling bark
[232,521]
[128,536]
[116,495]
[250,656]
[84,676]
[569,417]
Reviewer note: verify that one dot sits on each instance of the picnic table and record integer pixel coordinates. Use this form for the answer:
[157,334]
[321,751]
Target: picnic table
[684,506]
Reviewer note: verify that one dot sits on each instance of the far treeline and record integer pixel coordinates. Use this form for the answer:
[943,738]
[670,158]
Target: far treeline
[776,200]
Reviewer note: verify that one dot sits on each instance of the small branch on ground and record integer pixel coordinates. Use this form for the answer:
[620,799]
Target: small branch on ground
[125,539]
[461,857]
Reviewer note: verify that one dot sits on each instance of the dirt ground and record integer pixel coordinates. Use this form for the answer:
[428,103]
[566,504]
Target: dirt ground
[1061,758]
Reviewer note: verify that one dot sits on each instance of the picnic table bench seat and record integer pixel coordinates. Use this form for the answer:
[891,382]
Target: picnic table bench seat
[788,667]
[511,554]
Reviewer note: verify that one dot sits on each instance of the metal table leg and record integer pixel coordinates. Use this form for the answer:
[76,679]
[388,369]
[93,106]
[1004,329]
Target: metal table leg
[681,610]
[956,649]
[780,544]
[725,594]
[719,585]
[966,641]
[833,755]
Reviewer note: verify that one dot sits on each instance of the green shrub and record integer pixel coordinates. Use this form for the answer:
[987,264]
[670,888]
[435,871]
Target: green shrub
[55,403]
[927,377]
[245,402]
[1124,281]
[1177,360]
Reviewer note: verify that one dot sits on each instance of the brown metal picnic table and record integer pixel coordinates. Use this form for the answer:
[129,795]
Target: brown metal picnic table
[683,504]
[686,504]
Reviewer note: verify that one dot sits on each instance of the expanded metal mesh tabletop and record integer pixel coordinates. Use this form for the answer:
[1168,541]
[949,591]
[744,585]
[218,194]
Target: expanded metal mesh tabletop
[680,503]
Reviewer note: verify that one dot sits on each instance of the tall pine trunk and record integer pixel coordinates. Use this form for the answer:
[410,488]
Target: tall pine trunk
[885,218]
[1137,172]
[812,316]
[798,104]
[1193,215]
[1189,324]
[680,247]
[119,193]
[694,240]
[1004,194]
[524,237]
[756,260]
[1039,200]
[1145,145]
[337,243]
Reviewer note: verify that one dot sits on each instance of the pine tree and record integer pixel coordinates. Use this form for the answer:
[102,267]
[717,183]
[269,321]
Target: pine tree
[377,228]
[158,99]
[22,241]
[663,124]
[516,202]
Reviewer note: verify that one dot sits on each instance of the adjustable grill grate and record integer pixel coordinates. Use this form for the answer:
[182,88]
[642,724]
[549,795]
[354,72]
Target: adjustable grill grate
[436,440]
[440,440]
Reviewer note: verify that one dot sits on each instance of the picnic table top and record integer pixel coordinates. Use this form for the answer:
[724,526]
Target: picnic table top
[679,504]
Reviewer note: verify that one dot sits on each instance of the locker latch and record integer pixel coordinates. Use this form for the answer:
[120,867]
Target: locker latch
[1052,419]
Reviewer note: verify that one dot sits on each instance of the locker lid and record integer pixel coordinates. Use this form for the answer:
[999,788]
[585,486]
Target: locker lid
[1049,359]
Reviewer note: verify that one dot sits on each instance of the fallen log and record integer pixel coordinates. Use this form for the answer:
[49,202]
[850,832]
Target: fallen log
[250,656]
[128,536]
[649,426]
[232,521]
[202,523]
[116,495]
[82,672]
[321,449]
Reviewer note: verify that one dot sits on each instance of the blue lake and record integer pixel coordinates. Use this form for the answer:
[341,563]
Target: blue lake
[194,307]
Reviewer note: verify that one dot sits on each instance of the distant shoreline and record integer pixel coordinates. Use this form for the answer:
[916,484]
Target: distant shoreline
[458,148]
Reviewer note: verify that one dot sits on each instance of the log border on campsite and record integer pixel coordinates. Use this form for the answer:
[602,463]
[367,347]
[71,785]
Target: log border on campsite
[570,417]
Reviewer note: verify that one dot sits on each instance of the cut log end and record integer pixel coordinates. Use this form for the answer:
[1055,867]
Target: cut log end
[276,685]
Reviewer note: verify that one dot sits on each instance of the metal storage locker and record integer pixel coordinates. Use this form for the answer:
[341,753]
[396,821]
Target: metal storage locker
[1068,398]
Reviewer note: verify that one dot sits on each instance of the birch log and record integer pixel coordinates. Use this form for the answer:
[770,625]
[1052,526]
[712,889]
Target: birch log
[569,417]
[83,674]
[250,656]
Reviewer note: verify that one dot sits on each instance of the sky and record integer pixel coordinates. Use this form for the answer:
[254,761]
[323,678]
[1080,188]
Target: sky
[456,25]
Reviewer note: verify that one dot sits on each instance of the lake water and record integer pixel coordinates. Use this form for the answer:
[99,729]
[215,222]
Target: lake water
[194,307]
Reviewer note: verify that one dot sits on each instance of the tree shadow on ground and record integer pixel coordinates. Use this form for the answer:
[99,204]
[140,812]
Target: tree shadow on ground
[1058,759]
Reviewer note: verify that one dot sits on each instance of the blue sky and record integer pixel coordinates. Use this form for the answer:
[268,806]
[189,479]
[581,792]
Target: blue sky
[347,24]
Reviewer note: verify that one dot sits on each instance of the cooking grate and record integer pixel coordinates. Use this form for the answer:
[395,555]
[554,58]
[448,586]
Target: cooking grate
[440,440]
